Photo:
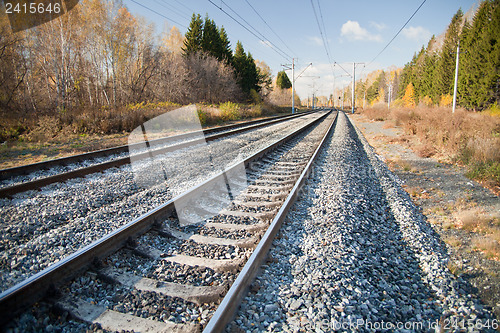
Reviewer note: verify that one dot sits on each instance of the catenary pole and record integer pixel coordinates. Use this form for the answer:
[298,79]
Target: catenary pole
[293,85]
[353,83]
[456,78]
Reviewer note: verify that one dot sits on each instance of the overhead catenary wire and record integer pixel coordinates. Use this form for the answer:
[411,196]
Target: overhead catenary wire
[325,43]
[323,23]
[184,5]
[263,39]
[160,14]
[265,22]
[172,8]
[322,36]
[393,38]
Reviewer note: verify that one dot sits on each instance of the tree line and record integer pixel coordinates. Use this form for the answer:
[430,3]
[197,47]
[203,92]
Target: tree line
[100,57]
[205,39]
[428,79]
[431,72]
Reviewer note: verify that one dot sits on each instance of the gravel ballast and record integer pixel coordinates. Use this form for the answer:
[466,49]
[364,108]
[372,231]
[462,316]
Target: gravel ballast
[355,254]
[38,228]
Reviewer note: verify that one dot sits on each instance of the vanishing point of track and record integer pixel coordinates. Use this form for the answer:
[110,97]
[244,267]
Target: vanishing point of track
[243,231]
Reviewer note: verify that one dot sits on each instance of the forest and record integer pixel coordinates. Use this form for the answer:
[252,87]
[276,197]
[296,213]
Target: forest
[428,79]
[95,67]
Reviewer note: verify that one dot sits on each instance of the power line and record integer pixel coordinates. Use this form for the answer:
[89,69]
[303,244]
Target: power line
[183,5]
[154,11]
[397,32]
[262,39]
[172,8]
[323,23]
[256,12]
[323,39]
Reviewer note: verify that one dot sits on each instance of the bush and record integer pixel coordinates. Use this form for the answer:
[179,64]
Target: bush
[229,111]
[467,138]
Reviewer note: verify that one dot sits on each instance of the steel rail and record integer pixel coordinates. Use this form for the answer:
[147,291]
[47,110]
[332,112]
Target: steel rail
[226,310]
[26,169]
[38,183]
[29,291]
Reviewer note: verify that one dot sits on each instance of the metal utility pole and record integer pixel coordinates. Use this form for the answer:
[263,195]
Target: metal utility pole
[456,78]
[293,85]
[292,67]
[354,82]
[334,95]
[390,96]
[313,90]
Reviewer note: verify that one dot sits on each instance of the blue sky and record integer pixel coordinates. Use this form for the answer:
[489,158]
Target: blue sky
[356,31]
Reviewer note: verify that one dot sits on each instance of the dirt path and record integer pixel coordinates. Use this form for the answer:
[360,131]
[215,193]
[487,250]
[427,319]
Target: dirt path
[465,214]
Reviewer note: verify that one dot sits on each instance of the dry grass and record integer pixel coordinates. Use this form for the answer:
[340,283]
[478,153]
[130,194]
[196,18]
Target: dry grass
[466,138]
[377,113]
[403,165]
[57,127]
[416,192]
[454,268]
[489,246]
[485,227]
[453,241]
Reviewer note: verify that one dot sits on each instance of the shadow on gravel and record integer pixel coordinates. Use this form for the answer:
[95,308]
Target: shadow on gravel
[354,254]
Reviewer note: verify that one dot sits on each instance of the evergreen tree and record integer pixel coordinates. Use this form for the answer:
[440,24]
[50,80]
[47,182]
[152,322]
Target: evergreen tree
[419,71]
[378,86]
[493,36]
[445,70]
[210,41]
[282,80]
[194,36]
[408,75]
[226,52]
[478,73]
[253,76]
[246,70]
[429,67]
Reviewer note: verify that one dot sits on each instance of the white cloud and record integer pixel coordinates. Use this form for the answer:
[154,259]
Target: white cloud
[353,31]
[417,33]
[378,26]
[316,40]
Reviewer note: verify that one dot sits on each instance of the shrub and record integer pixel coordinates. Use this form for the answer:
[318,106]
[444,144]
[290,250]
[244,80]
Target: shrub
[468,138]
[229,111]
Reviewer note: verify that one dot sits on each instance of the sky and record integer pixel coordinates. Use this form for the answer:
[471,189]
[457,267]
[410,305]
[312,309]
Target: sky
[354,31]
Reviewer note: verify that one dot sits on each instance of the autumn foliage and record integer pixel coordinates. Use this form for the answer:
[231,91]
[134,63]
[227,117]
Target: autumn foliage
[85,68]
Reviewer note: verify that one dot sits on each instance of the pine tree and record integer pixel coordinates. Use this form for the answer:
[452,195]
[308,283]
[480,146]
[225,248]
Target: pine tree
[428,74]
[445,70]
[408,75]
[282,80]
[252,74]
[226,52]
[419,70]
[246,70]
[210,41]
[378,86]
[493,35]
[194,36]
[479,65]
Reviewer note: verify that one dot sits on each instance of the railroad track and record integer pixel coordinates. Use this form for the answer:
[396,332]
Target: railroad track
[156,274]
[16,180]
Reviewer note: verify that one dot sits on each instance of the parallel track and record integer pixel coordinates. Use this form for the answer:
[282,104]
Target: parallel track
[275,173]
[188,139]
